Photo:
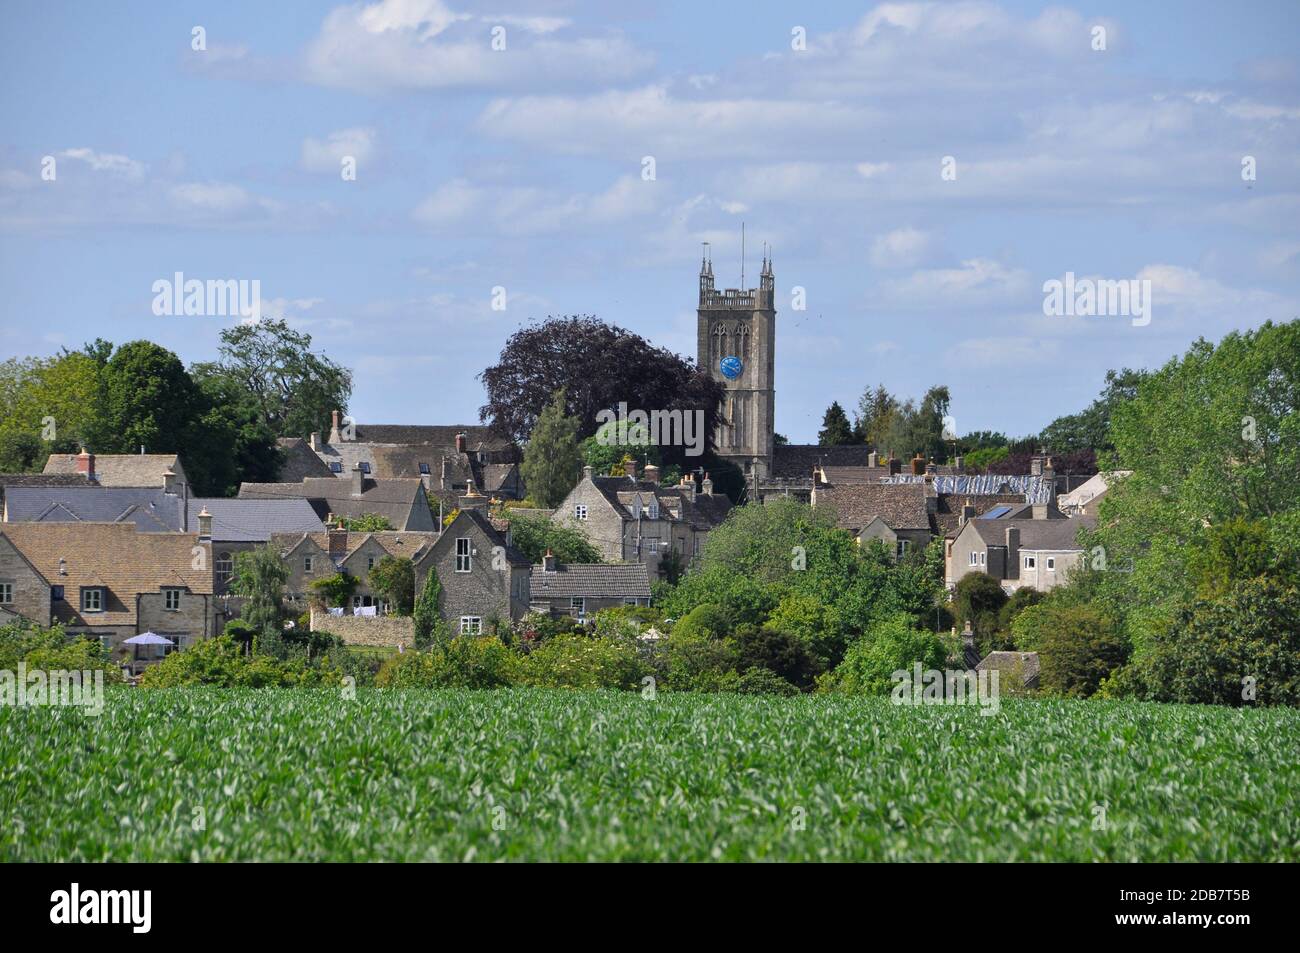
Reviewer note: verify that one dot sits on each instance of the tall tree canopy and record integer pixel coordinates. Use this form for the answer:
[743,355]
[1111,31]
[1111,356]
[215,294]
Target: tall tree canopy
[597,365]
[293,389]
[835,427]
[552,458]
[1088,429]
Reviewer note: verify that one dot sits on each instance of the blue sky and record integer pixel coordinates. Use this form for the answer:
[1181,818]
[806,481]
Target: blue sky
[522,168]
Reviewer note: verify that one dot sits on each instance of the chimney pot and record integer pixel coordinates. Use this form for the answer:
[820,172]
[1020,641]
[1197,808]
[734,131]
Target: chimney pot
[334,428]
[86,465]
[169,481]
[586,473]
[707,486]
[652,473]
[205,524]
[460,443]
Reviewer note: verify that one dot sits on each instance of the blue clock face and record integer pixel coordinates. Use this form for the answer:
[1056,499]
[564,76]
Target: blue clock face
[731,367]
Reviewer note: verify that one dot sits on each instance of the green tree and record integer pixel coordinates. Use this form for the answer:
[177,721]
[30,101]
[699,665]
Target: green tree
[835,427]
[978,599]
[260,575]
[533,535]
[367,523]
[428,621]
[552,459]
[393,577]
[1078,646]
[890,645]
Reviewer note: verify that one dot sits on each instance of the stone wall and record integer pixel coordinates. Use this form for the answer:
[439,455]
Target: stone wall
[385,630]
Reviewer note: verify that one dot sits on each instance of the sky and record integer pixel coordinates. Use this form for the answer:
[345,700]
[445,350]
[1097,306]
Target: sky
[920,171]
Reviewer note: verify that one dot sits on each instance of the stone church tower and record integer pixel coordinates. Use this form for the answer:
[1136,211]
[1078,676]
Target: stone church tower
[737,343]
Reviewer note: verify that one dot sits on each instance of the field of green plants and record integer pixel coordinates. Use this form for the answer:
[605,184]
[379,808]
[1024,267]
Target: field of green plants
[530,774]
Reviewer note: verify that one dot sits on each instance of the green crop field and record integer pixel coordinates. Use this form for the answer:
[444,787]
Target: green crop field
[242,774]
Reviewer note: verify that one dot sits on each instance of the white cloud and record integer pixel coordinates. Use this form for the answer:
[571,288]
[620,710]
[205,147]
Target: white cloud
[977,281]
[327,155]
[901,248]
[528,210]
[111,163]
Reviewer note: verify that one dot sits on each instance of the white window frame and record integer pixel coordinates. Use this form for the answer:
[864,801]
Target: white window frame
[1051,564]
[578,605]
[307,564]
[974,558]
[901,547]
[170,595]
[652,510]
[465,558]
[1031,562]
[6,593]
[98,599]
[984,559]
[652,545]
[227,573]
[471,625]
[370,563]
[580,511]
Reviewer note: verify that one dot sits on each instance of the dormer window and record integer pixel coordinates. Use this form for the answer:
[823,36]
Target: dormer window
[652,511]
[92,599]
[336,467]
[172,600]
[424,469]
[365,467]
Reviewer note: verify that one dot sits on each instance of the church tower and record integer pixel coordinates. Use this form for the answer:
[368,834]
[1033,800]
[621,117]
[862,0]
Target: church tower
[737,343]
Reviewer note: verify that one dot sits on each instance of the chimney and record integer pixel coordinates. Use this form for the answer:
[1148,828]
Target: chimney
[337,541]
[86,465]
[895,465]
[652,473]
[335,439]
[358,480]
[1036,465]
[205,524]
[1013,553]
[688,487]
[931,468]
[586,473]
[918,465]
[967,514]
[548,562]
[970,654]
[460,443]
[446,473]
[707,486]
[630,467]
[169,481]
[959,463]
[1038,511]
[873,459]
[315,440]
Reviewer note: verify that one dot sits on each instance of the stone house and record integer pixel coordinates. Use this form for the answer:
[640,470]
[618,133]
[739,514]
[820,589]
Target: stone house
[639,520]
[581,590]
[484,578]
[107,580]
[401,501]
[896,514]
[1033,552]
[313,556]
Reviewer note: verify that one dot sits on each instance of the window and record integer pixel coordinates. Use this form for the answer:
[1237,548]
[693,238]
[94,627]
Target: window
[336,467]
[652,511]
[471,625]
[1051,564]
[370,562]
[652,546]
[6,593]
[1031,562]
[424,469]
[56,593]
[172,600]
[974,559]
[225,567]
[365,467]
[578,606]
[464,558]
[696,545]
[92,600]
[308,563]
[901,548]
[579,512]
[984,559]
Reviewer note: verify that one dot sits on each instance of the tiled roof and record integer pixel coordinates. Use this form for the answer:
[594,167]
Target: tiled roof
[42,479]
[121,469]
[494,536]
[150,509]
[1008,663]
[443,435]
[114,555]
[394,499]
[901,506]
[704,512]
[1034,534]
[411,545]
[593,581]
[254,520]
[946,520]
[794,461]
[839,476]
[300,461]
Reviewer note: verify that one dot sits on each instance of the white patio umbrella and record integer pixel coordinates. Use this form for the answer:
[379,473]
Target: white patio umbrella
[148,638]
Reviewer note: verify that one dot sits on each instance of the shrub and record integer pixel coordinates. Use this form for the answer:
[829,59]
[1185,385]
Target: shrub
[394,578]
[887,647]
[708,621]
[812,623]
[462,662]
[783,655]
[580,661]
[332,591]
[694,661]
[978,598]
[53,649]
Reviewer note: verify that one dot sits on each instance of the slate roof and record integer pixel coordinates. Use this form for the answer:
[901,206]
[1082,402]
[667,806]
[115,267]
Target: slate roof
[300,461]
[150,509]
[1008,663]
[946,520]
[592,581]
[494,536]
[235,521]
[112,555]
[477,436]
[394,499]
[121,469]
[795,461]
[706,511]
[901,506]
[840,476]
[1034,534]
